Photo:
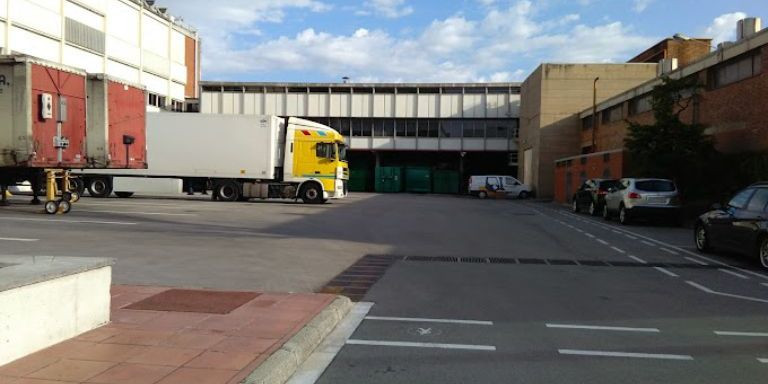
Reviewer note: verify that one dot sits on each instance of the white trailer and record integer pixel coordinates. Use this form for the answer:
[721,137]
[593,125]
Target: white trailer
[237,157]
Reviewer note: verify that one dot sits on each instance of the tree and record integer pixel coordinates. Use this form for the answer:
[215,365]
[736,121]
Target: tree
[670,148]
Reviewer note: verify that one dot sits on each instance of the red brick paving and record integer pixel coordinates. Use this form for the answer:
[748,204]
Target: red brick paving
[167,347]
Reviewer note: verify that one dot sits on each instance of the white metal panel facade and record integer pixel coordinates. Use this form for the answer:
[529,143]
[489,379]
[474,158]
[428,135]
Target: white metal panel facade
[296,104]
[274,104]
[450,105]
[85,16]
[157,64]
[154,35]
[178,72]
[96,5]
[39,15]
[123,51]
[155,83]
[126,26]
[339,104]
[428,105]
[177,47]
[177,91]
[33,44]
[318,104]
[78,58]
[384,105]
[405,105]
[122,71]
[361,105]
[4,9]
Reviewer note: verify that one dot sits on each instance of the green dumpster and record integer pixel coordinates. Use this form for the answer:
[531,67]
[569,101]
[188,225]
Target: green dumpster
[445,182]
[358,179]
[389,179]
[418,179]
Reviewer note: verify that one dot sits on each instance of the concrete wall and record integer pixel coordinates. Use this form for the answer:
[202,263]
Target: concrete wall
[552,98]
[36,316]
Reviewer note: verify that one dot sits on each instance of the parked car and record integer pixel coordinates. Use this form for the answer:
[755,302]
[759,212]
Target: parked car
[740,226]
[591,196]
[633,199]
[482,186]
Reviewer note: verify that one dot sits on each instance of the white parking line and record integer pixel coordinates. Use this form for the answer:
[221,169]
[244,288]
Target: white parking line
[648,243]
[713,292]
[67,221]
[408,344]
[732,273]
[764,284]
[764,361]
[671,252]
[616,232]
[602,328]
[426,320]
[639,260]
[624,354]
[630,237]
[619,250]
[666,272]
[141,213]
[587,234]
[699,262]
[18,239]
[601,241]
[741,334]
[579,230]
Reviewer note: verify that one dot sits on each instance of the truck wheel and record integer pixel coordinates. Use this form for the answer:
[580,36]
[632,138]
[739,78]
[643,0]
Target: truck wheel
[99,187]
[228,191]
[311,193]
[78,185]
[124,195]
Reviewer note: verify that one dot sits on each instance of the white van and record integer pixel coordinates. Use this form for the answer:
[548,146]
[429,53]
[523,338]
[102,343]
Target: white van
[482,186]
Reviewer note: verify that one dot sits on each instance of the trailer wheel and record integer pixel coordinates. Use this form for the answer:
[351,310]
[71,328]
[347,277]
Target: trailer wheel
[123,195]
[311,193]
[65,206]
[51,207]
[78,185]
[228,191]
[99,187]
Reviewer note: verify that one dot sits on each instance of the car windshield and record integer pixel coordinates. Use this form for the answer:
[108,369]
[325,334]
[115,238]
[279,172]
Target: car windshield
[655,186]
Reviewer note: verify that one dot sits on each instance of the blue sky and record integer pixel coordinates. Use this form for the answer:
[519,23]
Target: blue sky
[431,40]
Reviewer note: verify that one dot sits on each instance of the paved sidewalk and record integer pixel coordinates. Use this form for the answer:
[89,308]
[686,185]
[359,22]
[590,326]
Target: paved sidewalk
[147,346]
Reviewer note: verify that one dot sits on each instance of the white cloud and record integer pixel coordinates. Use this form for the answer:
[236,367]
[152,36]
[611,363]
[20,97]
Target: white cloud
[723,28]
[640,5]
[391,9]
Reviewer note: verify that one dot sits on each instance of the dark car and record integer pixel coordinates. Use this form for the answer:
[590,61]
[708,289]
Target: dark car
[591,196]
[740,226]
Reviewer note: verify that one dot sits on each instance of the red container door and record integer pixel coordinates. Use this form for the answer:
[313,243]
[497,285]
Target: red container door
[57,83]
[127,117]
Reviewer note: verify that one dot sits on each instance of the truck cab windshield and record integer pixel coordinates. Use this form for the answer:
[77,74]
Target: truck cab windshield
[326,151]
[342,152]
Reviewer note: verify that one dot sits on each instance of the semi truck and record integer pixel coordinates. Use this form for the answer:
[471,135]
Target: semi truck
[237,157]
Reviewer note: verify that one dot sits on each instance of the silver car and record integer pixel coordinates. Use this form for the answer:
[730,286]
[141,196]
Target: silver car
[642,198]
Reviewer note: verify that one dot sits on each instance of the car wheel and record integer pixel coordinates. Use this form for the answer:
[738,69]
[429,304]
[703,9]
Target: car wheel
[575,206]
[523,195]
[592,209]
[482,194]
[701,237]
[763,252]
[606,212]
[623,216]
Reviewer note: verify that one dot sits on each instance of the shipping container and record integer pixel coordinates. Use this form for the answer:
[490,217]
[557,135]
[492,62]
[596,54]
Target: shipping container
[418,179]
[116,134]
[42,114]
[389,179]
[446,182]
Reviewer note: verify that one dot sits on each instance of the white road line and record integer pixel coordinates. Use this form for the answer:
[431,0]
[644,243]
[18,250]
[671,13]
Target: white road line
[602,328]
[426,320]
[141,213]
[421,345]
[601,241]
[639,260]
[587,234]
[699,262]
[764,284]
[666,272]
[671,252]
[619,250]
[741,334]
[710,291]
[764,361]
[18,239]
[732,273]
[630,237]
[615,231]
[648,243]
[67,221]
[624,354]
[579,230]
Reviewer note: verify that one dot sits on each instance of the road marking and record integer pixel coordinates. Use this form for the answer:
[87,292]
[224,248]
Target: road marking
[421,345]
[639,260]
[648,243]
[664,271]
[587,234]
[313,367]
[579,230]
[713,292]
[615,231]
[619,250]
[630,236]
[18,239]
[602,328]
[68,221]
[601,241]
[671,252]
[142,213]
[624,354]
[732,273]
[764,361]
[764,284]
[425,320]
[741,334]
[699,262]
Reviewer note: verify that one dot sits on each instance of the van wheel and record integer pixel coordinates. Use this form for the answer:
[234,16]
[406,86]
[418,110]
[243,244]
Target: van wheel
[311,193]
[482,194]
[100,187]
[228,191]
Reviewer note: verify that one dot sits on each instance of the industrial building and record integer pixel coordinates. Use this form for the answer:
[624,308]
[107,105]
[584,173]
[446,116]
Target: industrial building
[130,40]
[454,130]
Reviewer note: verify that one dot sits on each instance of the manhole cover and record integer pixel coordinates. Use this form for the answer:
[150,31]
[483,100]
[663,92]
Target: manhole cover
[185,300]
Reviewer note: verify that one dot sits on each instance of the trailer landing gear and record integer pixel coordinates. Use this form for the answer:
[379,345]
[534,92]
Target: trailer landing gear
[56,202]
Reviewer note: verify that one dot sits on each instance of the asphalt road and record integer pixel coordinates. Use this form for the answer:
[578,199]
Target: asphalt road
[636,306]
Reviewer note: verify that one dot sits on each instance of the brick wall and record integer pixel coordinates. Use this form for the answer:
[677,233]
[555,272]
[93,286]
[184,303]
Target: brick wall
[572,172]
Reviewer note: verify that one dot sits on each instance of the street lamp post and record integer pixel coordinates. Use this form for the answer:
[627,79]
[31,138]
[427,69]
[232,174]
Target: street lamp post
[594,115]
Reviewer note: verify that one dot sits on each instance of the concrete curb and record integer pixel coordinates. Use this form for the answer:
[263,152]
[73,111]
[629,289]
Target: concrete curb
[282,364]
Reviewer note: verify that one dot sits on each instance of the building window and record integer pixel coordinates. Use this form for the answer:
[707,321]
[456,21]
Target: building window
[612,114]
[450,128]
[155,100]
[583,160]
[383,127]
[177,106]
[737,69]
[428,128]
[640,105]
[499,128]
[474,128]
[84,36]
[498,90]
[406,128]
[586,123]
[340,125]
[606,157]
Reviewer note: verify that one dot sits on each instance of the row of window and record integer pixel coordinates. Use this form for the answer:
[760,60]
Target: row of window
[361,90]
[490,128]
[156,100]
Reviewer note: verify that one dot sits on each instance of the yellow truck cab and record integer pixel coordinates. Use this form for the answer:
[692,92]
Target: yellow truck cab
[316,159]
